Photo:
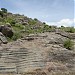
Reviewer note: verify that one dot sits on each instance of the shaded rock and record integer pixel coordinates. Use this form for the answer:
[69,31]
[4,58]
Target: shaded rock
[3,38]
[66,34]
[6,30]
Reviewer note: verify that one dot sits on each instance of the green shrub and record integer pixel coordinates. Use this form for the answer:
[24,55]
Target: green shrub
[68,44]
[46,28]
[16,36]
[19,26]
[32,22]
[72,30]
[11,21]
[35,19]
[68,29]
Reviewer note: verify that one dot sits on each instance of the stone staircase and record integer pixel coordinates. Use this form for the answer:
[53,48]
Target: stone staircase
[20,60]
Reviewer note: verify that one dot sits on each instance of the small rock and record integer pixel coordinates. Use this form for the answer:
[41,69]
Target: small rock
[29,38]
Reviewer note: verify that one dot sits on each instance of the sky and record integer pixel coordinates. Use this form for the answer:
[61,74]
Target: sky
[53,12]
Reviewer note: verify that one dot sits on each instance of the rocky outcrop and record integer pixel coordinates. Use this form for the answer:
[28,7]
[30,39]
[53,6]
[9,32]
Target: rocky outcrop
[6,30]
[66,34]
[3,39]
[56,39]
[37,54]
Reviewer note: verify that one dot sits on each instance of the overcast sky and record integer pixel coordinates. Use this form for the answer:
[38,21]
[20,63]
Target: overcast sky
[53,12]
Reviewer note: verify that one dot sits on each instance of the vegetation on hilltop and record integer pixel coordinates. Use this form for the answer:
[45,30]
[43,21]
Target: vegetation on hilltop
[52,53]
[22,25]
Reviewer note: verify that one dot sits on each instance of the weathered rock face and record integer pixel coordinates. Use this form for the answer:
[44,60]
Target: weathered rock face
[37,54]
[66,34]
[3,39]
[20,60]
[6,30]
[56,39]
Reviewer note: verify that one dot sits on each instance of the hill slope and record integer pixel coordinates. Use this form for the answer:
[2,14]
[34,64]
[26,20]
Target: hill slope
[30,47]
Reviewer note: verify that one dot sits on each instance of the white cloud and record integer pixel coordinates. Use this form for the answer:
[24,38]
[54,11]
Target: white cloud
[66,22]
[74,21]
[63,22]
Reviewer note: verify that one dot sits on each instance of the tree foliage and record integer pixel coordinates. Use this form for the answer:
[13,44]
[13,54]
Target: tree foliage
[4,10]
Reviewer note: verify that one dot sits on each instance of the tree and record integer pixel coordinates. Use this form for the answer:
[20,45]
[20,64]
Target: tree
[4,10]
[35,19]
[44,23]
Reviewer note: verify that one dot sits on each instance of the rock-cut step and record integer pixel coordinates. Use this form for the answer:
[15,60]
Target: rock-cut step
[19,60]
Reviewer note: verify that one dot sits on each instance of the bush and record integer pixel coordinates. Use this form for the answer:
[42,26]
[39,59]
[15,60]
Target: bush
[68,44]
[32,22]
[16,36]
[19,26]
[72,30]
[12,22]
[68,29]
[35,19]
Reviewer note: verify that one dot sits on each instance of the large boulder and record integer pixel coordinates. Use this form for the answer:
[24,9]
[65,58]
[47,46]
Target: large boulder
[54,38]
[6,30]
